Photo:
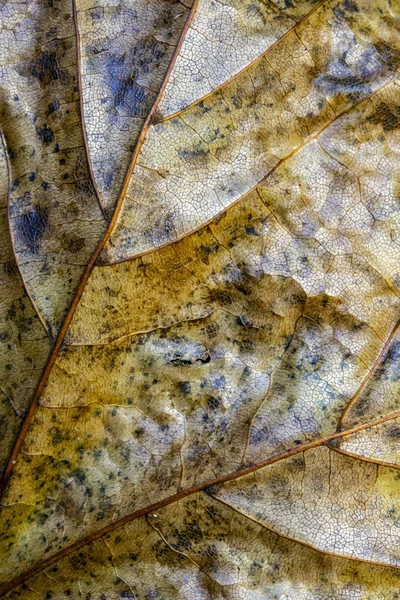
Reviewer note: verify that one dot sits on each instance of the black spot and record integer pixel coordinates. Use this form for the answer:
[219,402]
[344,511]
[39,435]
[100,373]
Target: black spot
[213,403]
[53,106]
[204,108]
[45,68]
[46,134]
[181,361]
[31,228]
[388,117]
[251,231]
[185,387]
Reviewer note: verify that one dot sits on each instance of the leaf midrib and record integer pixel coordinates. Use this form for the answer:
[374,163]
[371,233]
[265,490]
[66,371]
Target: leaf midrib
[85,277]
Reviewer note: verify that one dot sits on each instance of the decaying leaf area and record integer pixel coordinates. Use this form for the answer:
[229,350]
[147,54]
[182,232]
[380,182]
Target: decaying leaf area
[200,299]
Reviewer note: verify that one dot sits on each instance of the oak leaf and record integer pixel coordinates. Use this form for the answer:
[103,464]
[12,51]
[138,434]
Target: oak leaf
[200,304]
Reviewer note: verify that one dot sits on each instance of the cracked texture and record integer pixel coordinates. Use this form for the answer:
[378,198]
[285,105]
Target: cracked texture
[193,166]
[126,48]
[24,344]
[200,548]
[221,419]
[55,218]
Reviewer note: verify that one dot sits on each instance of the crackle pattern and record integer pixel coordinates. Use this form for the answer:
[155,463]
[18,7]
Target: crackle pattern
[220,418]
[201,548]
[329,501]
[55,218]
[125,50]
[223,38]
[195,165]
[24,343]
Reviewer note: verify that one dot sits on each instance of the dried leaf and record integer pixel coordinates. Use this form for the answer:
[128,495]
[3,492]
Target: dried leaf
[219,417]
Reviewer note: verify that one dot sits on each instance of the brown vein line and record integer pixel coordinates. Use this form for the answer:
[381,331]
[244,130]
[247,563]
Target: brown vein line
[374,461]
[369,374]
[271,380]
[60,338]
[16,581]
[248,66]
[262,181]
[306,544]
[82,110]
[35,308]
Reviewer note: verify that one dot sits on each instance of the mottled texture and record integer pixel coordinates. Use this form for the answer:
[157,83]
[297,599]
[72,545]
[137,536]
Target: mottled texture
[200,549]
[334,503]
[223,39]
[221,417]
[126,48]
[195,165]
[379,397]
[55,218]
[24,342]
[380,444]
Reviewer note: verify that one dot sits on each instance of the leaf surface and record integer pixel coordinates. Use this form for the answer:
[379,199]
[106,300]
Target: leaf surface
[220,414]
[125,50]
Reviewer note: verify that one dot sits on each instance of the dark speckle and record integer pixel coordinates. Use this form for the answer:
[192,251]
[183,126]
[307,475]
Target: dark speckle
[213,403]
[350,6]
[108,179]
[46,134]
[341,80]
[73,244]
[390,56]
[185,387]
[45,68]
[387,116]
[250,231]
[124,70]
[32,227]
[53,106]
